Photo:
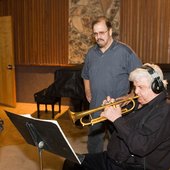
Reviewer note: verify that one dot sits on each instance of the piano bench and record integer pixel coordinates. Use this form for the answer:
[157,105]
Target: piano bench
[41,98]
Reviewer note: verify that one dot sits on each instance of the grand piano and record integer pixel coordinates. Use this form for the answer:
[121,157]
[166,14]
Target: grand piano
[68,83]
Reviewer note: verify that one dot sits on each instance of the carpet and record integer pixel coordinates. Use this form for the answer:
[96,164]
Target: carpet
[16,154]
[25,157]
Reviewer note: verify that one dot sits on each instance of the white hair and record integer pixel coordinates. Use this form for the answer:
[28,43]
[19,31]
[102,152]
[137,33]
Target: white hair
[138,73]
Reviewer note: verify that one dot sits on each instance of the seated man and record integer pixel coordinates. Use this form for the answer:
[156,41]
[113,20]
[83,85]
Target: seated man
[141,140]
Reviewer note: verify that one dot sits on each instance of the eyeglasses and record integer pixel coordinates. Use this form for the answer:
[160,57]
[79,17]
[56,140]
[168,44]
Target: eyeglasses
[102,33]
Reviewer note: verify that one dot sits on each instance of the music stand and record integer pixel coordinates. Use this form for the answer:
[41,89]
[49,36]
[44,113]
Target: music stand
[44,134]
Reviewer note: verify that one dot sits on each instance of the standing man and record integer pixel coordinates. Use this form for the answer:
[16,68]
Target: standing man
[105,73]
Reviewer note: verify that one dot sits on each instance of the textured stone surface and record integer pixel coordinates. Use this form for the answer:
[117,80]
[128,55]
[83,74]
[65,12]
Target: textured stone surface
[82,13]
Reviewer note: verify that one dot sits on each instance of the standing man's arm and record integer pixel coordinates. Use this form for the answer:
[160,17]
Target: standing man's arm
[87,90]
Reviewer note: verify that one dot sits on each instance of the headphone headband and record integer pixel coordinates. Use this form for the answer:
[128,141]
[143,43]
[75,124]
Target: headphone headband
[151,71]
[157,85]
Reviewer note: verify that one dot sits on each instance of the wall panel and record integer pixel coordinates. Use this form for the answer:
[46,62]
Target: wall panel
[40,30]
[145,25]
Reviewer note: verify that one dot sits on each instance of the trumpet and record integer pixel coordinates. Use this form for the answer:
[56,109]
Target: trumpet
[80,115]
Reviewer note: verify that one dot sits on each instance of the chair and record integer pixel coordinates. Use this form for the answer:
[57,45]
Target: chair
[42,97]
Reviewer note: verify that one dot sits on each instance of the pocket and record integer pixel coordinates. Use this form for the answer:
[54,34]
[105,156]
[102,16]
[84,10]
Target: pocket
[132,166]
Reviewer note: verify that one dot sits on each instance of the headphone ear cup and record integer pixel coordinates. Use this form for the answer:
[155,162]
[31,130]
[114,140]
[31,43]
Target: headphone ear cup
[157,86]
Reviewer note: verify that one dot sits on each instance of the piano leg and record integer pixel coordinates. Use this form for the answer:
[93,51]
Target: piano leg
[52,106]
[46,108]
[38,110]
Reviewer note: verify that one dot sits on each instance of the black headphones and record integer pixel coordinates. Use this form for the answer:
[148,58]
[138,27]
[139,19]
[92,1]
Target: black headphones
[157,85]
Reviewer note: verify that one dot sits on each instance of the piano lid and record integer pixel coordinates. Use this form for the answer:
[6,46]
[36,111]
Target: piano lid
[68,82]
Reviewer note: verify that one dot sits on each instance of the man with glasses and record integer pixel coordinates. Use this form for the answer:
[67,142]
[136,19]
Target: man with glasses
[105,72]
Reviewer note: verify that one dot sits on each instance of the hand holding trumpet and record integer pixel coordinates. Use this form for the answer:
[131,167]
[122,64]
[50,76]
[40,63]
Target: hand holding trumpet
[111,112]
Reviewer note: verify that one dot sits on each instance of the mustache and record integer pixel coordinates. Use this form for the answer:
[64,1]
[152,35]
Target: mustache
[99,40]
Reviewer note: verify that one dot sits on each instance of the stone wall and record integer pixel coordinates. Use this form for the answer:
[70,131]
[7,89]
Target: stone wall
[81,14]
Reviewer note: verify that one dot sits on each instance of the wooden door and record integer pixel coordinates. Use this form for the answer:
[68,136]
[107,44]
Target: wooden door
[7,69]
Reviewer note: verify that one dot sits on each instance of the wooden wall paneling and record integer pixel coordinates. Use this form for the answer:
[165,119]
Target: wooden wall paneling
[40,30]
[165,30]
[157,36]
[147,30]
[154,20]
[151,31]
[168,20]
[139,29]
[147,36]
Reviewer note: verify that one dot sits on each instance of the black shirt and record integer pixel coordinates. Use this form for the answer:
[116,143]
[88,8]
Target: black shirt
[143,136]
